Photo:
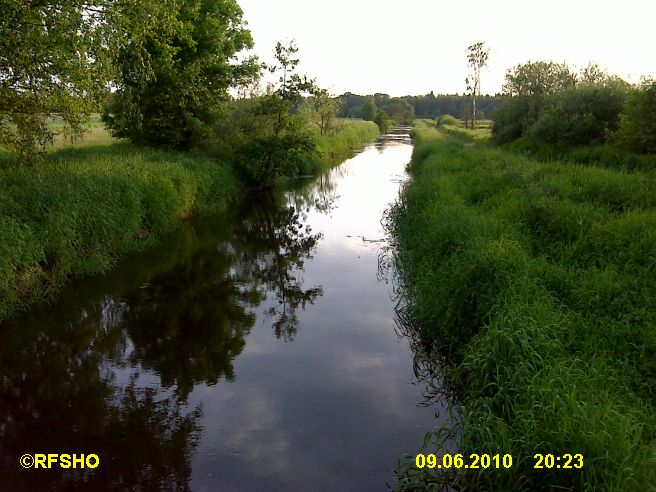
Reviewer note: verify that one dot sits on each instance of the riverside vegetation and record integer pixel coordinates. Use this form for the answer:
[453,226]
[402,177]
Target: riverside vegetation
[534,286]
[83,208]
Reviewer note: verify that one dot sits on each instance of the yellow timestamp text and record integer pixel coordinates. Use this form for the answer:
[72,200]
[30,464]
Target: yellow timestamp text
[473,461]
[566,461]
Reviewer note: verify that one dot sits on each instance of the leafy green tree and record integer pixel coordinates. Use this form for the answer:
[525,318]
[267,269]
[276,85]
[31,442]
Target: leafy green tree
[383,121]
[49,65]
[400,111]
[278,143]
[369,109]
[579,115]
[537,78]
[552,104]
[355,112]
[175,69]
[637,126]
[381,100]
[323,108]
[351,105]
[477,57]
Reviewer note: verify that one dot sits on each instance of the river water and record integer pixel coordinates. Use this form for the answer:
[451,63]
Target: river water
[252,352]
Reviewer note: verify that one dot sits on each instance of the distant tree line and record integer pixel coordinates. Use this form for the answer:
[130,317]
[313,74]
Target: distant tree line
[429,106]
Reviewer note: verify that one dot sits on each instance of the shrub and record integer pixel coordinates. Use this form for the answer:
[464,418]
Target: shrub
[515,117]
[637,128]
[447,119]
[580,115]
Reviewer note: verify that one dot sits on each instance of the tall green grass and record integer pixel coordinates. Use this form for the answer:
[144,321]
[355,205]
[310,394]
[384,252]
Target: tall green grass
[348,136]
[605,155]
[82,209]
[536,283]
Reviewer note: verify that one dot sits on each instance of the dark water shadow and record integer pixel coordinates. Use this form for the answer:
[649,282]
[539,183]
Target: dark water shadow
[107,369]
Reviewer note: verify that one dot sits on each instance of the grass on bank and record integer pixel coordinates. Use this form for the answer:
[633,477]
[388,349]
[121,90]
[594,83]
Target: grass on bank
[536,283]
[349,134]
[81,209]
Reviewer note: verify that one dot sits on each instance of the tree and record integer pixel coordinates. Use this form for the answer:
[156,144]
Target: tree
[279,143]
[538,78]
[324,109]
[580,115]
[477,56]
[400,111]
[49,66]
[175,69]
[383,121]
[369,109]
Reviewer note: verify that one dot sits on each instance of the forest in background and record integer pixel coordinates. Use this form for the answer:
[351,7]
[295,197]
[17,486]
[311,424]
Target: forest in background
[429,106]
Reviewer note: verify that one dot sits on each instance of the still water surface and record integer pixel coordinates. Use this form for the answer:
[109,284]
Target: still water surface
[253,352]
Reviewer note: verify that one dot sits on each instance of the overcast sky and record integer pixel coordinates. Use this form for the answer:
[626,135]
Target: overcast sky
[415,46]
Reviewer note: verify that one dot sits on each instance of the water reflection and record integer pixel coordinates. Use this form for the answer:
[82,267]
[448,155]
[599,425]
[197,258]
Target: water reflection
[398,135]
[55,397]
[270,249]
[109,367]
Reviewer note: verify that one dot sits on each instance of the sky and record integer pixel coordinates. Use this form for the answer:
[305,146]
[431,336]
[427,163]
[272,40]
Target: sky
[412,47]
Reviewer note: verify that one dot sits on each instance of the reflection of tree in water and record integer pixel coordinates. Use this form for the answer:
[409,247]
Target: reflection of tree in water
[271,245]
[55,399]
[189,324]
[321,194]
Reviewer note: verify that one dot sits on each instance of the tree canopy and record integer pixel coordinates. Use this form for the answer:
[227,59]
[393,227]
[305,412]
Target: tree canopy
[49,66]
[637,126]
[534,78]
[173,74]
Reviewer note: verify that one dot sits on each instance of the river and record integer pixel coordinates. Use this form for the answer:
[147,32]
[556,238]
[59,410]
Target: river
[252,352]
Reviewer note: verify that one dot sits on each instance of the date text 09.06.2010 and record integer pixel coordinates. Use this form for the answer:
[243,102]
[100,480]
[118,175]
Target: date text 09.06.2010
[458,461]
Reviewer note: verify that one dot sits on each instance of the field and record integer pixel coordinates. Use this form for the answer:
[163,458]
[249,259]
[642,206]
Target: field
[95,134]
[534,284]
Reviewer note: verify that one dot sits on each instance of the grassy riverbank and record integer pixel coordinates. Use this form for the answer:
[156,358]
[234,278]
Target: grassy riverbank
[84,207]
[350,135]
[536,284]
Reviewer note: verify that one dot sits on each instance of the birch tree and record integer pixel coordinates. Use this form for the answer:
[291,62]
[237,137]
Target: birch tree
[477,57]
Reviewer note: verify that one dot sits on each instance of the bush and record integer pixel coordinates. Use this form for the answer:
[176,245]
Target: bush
[637,128]
[584,114]
[384,122]
[447,119]
[515,117]
[580,115]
